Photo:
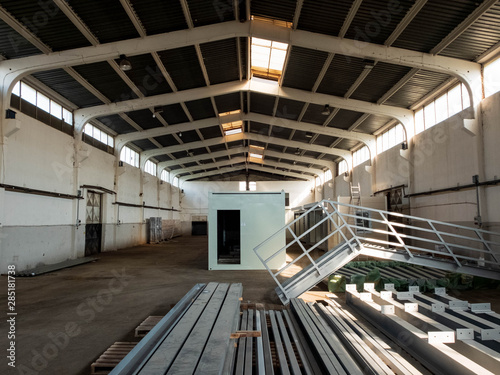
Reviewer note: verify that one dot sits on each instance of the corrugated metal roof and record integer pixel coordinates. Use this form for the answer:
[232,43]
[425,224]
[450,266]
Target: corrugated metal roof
[434,22]
[161,158]
[289,109]
[190,136]
[183,66]
[107,20]
[324,16]
[344,119]
[45,20]
[228,102]
[167,140]
[478,38]
[341,74]
[304,66]
[208,12]
[147,76]
[312,154]
[423,82]
[280,132]
[375,20]
[381,79]
[144,118]
[324,140]
[102,76]
[346,144]
[160,16]
[174,114]
[116,123]
[216,148]
[259,128]
[221,69]
[13,45]
[263,104]
[313,114]
[373,123]
[211,132]
[145,144]
[201,108]
[65,85]
[282,10]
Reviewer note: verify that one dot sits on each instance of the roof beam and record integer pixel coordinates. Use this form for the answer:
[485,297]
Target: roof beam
[15,69]
[253,167]
[350,16]
[239,150]
[145,155]
[84,115]
[242,159]
[403,24]
[197,158]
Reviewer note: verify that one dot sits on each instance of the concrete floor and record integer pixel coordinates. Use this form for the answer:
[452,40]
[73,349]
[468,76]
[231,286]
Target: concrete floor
[66,319]
[102,302]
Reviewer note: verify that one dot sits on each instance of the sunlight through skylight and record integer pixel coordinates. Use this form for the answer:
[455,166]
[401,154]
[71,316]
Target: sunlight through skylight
[268,58]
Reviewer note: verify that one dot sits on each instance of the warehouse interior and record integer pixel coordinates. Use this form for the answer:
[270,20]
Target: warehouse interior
[115,112]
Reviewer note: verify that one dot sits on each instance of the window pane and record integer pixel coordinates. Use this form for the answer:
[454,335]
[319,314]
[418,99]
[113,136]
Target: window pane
[454,100]
[430,115]
[400,134]
[28,93]
[89,130]
[17,89]
[43,102]
[68,116]
[385,141]
[56,110]
[465,97]
[419,121]
[111,141]
[492,78]
[441,108]
[97,134]
[252,185]
[104,137]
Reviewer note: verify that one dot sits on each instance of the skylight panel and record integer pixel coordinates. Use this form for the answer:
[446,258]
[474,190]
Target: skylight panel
[268,58]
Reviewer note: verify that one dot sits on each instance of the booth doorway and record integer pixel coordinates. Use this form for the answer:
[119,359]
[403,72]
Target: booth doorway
[228,237]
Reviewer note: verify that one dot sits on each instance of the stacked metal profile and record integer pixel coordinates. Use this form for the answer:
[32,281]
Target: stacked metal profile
[193,338]
[446,335]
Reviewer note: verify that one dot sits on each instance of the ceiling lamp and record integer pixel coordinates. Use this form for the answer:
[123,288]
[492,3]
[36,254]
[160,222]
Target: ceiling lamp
[125,64]
[297,151]
[309,135]
[326,110]
[157,111]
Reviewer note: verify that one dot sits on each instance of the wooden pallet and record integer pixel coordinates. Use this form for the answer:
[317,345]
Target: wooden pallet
[111,357]
[147,325]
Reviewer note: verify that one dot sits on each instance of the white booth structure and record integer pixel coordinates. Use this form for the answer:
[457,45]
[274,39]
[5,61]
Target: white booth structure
[238,222]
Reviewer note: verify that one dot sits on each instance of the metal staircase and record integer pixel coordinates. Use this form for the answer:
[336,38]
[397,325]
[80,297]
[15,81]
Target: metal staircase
[354,230]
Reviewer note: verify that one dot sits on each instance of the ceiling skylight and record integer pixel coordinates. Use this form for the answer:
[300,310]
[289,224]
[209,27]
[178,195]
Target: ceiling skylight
[234,127]
[268,58]
[256,154]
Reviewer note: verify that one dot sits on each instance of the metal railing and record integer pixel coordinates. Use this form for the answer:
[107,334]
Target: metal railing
[383,234]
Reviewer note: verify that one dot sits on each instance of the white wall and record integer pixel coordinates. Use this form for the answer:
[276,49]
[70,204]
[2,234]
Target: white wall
[443,156]
[195,197]
[36,229]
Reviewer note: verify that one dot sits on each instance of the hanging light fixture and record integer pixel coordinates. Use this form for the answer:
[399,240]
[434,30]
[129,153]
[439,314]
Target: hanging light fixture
[124,63]
[326,110]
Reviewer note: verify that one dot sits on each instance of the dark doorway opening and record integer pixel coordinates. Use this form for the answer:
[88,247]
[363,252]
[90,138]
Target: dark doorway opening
[198,228]
[228,237]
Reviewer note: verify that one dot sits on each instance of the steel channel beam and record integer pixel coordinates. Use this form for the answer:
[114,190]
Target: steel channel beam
[135,360]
